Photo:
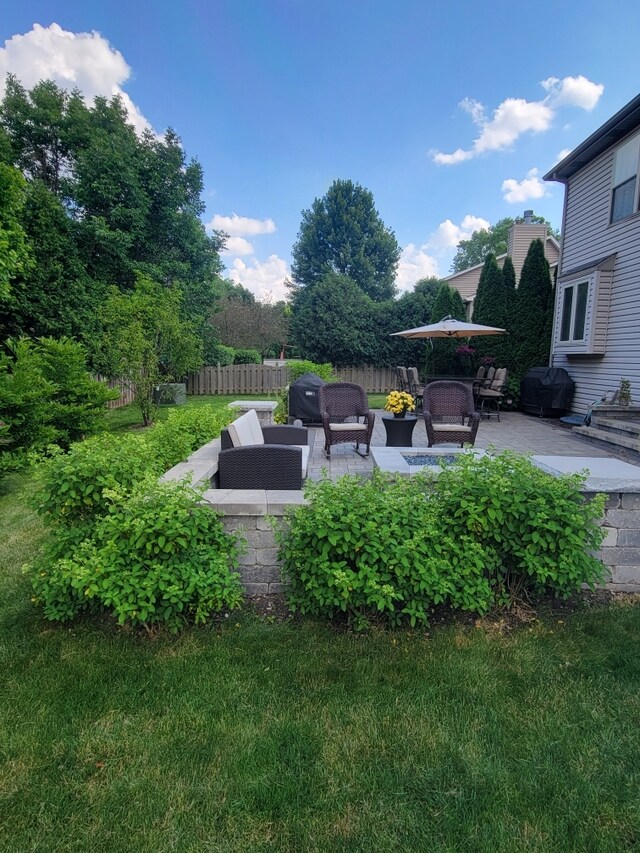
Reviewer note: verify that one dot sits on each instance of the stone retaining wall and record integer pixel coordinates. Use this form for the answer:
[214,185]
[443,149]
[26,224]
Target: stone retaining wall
[620,550]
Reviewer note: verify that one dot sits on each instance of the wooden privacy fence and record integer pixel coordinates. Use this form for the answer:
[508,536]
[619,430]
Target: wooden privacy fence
[127,394]
[265,379]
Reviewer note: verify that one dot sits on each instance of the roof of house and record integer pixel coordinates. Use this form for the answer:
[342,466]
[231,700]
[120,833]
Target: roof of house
[611,132]
[501,257]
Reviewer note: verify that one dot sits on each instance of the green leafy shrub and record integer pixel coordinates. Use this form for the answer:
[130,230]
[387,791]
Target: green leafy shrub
[47,396]
[539,528]
[73,486]
[511,398]
[375,546]
[483,532]
[184,430]
[247,356]
[156,557]
[221,355]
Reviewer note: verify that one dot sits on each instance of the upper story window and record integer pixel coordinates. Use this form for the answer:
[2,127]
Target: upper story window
[625,179]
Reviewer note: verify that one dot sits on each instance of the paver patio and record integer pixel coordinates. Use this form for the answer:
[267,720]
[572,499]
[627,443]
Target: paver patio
[514,431]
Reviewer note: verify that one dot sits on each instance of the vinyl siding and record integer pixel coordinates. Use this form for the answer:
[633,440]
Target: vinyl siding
[588,237]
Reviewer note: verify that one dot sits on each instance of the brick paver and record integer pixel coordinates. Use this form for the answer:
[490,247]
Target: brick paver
[515,431]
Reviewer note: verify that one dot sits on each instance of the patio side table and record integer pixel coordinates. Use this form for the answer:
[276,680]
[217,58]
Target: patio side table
[399,430]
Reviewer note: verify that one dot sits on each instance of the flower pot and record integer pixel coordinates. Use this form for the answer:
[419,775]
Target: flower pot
[399,414]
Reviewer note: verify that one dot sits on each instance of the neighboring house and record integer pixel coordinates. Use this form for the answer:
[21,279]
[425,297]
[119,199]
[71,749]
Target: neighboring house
[521,235]
[596,334]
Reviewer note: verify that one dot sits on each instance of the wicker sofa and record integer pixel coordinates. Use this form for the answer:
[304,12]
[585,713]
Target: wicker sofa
[262,457]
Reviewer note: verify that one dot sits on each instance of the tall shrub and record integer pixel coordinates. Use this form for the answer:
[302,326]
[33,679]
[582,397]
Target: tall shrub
[533,318]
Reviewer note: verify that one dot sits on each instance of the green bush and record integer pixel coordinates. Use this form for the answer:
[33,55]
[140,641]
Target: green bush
[296,369]
[74,488]
[185,430]
[483,532]
[539,528]
[221,355]
[47,396]
[376,546]
[247,356]
[156,557]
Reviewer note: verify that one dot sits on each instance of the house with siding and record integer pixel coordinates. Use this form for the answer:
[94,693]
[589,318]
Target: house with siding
[521,235]
[596,332]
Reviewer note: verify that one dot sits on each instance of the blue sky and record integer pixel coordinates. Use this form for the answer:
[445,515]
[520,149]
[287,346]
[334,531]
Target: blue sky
[450,113]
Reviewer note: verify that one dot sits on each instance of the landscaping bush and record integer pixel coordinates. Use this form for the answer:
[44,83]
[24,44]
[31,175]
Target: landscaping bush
[185,430]
[156,557]
[538,527]
[221,355]
[484,532]
[376,546]
[247,356]
[47,396]
[73,487]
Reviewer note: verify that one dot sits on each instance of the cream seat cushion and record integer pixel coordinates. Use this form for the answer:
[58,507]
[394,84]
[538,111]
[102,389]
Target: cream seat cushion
[451,428]
[246,430]
[347,427]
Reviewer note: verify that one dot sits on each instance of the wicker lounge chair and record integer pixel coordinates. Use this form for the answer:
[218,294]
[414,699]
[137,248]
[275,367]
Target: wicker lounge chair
[447,405]
[345,414]
[253,456]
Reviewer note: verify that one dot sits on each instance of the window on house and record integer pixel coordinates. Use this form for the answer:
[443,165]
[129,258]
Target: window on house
[574,312]
[625,179]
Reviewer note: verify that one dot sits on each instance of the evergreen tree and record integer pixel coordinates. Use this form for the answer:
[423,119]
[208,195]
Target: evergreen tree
[507,343]
[490,309]
[441,357]
[534,312]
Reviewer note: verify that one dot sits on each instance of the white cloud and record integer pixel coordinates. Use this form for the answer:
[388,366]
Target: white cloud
[414,264]
[423,261]
[85,61]
[241,226]
[562,154]
[266,280]
[516,116]
[238,246]
[573,92]
[447,235]
[529,187]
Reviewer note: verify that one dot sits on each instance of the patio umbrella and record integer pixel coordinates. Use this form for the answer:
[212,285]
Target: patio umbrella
[450,328]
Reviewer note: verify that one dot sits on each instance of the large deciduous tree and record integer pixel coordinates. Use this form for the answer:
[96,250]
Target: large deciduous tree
[342,233]
[15,256]
[533,319]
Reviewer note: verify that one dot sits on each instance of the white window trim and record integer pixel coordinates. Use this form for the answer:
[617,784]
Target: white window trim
[614,186]
[585,344]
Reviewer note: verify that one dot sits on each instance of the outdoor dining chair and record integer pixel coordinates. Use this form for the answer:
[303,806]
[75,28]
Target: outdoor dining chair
[415,388]
[491,396]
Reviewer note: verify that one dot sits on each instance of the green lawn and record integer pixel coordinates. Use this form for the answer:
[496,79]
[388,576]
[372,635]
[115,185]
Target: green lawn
[255,736]
[129,416]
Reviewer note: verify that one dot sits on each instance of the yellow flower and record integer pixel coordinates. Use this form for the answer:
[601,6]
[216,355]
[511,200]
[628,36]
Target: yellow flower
[398,402]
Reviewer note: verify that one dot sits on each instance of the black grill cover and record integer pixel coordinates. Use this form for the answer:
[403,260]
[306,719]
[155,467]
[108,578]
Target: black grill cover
[546,391]
[303,398]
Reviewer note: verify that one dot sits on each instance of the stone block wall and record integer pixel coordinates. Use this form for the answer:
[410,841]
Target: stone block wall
[620,550]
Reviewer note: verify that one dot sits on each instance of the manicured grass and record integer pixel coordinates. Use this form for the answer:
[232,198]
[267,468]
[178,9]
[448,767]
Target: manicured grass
[128,417]
[252,736]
